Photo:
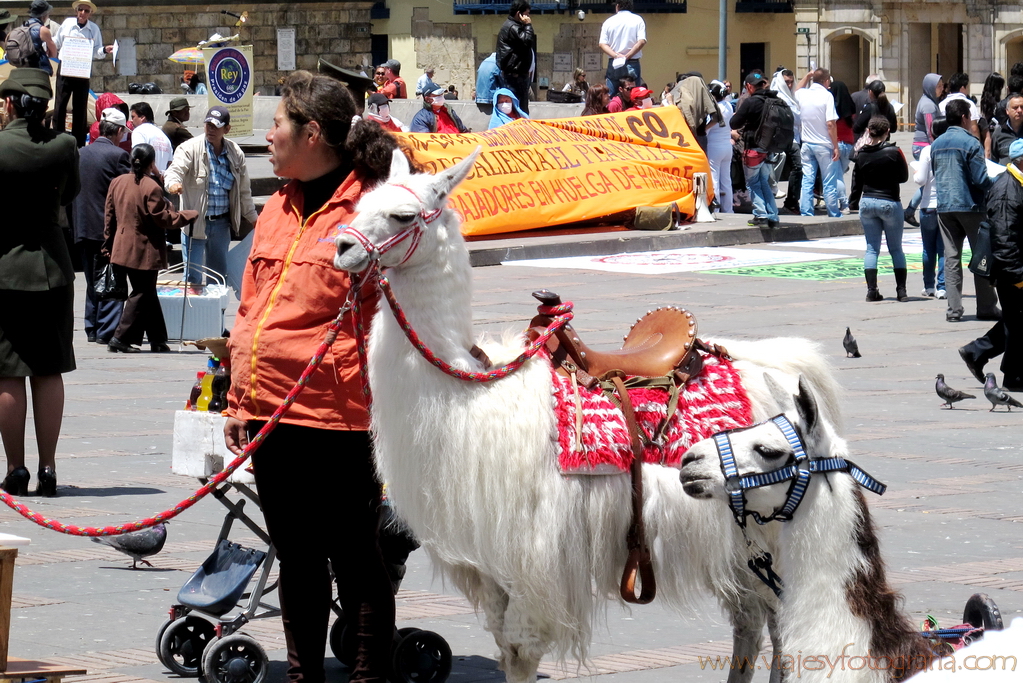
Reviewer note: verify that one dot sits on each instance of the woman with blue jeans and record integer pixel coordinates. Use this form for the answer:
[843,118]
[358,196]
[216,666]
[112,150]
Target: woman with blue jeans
[880,169]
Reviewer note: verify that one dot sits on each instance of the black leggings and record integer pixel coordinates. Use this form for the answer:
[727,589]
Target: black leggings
[320,501]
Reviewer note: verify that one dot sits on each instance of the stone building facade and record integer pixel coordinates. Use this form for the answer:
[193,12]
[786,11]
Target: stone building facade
[149,32]
[903,41]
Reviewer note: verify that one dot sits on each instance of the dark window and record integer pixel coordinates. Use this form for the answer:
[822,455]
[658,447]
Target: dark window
[641,7]
[763,6]
[752,57]
[378,45]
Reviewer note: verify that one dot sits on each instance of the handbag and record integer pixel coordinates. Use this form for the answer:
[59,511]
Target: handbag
[983,256]
[864,140]
[110,284]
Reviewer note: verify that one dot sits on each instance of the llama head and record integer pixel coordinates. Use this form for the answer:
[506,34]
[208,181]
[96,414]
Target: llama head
[401,217]
[761,448]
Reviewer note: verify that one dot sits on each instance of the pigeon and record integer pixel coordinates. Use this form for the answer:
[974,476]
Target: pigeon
[138,544]
[948,394]
[852,349]
[997,395]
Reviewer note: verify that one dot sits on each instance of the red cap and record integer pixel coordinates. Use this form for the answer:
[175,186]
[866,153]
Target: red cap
[640,93]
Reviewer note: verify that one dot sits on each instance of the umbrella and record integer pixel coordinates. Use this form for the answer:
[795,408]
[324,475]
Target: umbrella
[189,55]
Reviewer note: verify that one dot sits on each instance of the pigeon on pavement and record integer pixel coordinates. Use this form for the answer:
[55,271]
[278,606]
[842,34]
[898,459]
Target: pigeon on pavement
[138,544]
[948,394]
[851,347]
[998,396]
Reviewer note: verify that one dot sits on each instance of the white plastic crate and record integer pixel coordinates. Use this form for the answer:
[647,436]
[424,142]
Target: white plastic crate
[203,306]
[199,450]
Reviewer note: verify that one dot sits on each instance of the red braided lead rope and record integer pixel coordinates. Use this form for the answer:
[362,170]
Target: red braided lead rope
[216,480]
[562,316]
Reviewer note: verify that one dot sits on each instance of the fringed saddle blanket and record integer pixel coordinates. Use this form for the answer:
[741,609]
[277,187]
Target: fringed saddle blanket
[711,402]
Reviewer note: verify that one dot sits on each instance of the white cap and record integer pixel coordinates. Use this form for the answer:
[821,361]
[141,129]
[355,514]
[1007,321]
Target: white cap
[113,115]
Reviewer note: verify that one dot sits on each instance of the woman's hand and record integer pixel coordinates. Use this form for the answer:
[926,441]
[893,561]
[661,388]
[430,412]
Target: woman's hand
[235,435]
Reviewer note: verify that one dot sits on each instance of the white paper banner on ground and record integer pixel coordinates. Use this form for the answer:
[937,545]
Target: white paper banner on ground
[76,57]
[229,75]
[676,260]
[911,243]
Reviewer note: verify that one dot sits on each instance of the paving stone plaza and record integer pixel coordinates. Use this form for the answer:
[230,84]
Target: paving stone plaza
[949,522]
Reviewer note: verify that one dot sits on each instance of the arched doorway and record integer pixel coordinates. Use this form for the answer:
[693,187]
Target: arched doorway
[850,57]
[1013,52]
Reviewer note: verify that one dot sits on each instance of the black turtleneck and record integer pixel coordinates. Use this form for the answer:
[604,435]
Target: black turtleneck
[316,192]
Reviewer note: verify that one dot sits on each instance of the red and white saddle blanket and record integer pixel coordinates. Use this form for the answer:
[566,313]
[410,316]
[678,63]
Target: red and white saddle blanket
[711,402]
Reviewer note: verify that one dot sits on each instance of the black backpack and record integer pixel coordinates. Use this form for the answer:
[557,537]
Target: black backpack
[20,49]
[777,126]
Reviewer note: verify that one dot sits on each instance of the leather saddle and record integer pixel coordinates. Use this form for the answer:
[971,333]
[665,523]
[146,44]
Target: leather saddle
[660,343]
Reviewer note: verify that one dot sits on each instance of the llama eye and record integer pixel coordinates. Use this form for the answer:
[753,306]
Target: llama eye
[770,453]
[403,217]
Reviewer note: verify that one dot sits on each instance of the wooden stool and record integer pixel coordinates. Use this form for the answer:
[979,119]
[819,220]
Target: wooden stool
[14,668]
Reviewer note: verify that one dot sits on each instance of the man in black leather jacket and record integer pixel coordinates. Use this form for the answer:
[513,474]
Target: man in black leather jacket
[516,51]
[1005,216]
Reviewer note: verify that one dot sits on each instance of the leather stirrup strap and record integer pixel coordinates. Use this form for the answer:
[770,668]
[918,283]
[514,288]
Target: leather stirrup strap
[639,563]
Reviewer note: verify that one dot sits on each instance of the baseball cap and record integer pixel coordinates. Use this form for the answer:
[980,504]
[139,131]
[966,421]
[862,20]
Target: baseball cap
[218,116]
[113,115]
[1016,149]
[755,78]
[177,104]
[436,92]
[379,99]
[639,92]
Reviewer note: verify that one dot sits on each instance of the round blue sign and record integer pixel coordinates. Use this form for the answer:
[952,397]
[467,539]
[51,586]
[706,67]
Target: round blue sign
[230,73]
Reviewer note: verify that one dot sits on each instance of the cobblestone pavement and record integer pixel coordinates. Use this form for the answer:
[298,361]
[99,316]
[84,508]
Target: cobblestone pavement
[947,521]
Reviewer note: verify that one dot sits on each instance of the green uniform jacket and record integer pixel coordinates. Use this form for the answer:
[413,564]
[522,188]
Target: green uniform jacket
[37,177]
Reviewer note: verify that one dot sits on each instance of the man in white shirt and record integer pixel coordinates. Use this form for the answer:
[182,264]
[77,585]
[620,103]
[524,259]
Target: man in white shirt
[425,83]
[78,26]
[148,133]
[958,87]
[819,140]
[622,36]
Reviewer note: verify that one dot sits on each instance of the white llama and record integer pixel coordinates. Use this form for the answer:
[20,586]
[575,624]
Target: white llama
[472,467]
[839,619]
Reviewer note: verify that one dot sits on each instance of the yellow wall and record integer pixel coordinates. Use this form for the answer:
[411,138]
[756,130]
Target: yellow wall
[676,42]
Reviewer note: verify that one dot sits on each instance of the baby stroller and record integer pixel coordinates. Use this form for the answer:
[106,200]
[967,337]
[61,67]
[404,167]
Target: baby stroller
[213,645]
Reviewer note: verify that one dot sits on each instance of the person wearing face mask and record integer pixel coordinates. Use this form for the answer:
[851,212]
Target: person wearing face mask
[98,164]
[436,116]
[642,98]
[506,108]
[378,108]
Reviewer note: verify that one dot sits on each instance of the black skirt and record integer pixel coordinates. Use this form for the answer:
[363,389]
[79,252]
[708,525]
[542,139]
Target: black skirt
[36,331]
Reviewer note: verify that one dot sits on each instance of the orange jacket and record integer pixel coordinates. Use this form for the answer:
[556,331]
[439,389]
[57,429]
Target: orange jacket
[290,294]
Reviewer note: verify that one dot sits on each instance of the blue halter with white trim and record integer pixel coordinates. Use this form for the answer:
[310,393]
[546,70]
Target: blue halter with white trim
[799,470]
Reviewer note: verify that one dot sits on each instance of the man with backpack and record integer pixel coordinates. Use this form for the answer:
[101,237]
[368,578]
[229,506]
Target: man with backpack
[31,44]
[766,124]
[820,140]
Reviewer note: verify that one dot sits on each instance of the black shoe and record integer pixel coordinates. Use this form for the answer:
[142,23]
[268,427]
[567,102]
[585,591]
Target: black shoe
[991,316]
[116,345]
[47,482]
[16,482]
[91,338]
[874,295]
[975,366]
[953,318]
[910,217]
[757,222]
[791,206]
[773,224]
[102,341]
[159,348]
[900,294]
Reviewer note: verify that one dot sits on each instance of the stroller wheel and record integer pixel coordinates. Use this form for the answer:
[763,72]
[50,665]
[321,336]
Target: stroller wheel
[341,645]
[159,640]
[182,644]
[235,659]
[981,611]
[421,657]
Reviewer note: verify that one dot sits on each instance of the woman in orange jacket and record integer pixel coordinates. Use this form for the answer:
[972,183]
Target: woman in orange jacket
[315,472]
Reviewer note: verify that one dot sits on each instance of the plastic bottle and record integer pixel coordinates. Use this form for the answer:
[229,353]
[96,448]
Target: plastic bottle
[221,383]
[193,397]
[203,402]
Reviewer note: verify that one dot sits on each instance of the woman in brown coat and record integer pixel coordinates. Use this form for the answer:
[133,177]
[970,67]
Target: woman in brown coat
[137,218]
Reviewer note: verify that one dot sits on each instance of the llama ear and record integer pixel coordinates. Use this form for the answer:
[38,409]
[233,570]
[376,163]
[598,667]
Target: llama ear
[399,166]
[782,395]
[447,180]
[806,406]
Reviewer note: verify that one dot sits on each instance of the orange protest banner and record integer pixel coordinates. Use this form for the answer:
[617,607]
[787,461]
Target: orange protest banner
[540,173]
